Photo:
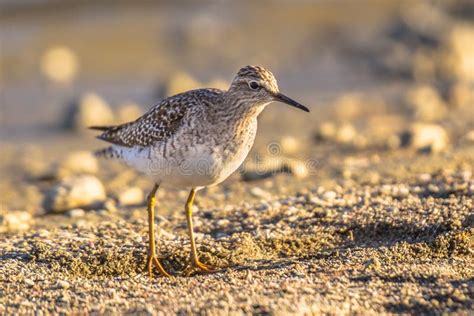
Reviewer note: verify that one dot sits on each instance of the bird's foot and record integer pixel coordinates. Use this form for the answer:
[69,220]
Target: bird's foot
[153,260]
[204,267]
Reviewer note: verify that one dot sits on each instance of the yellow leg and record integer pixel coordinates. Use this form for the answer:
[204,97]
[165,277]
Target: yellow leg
[152,259]
[189,219]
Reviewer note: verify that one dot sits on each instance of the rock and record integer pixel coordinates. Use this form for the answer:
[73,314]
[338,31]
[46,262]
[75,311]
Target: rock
[426,103]
[326,131]
[289,145]
[29,282]
[79,162]
[402,191]
[63,284]
[223,223]
[90,110]
[345,134]
[14,221]
[393,142]
[299,168]
[260,193]
[76,212]
[469,136]
[101,212]
[110,205]
[131,196]
[426,138]
[59,64]
[424,177]
[460,60]
[128,112]
[329,196]
[342,134]
[317,201]
[75,192]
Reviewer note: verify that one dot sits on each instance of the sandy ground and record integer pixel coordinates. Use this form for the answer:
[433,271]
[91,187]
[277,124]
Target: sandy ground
[367,231]
[373,213]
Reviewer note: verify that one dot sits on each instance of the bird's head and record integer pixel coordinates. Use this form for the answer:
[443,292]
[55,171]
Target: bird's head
[257,85]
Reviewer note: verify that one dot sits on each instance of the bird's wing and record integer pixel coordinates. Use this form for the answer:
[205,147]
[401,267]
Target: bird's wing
[160,122]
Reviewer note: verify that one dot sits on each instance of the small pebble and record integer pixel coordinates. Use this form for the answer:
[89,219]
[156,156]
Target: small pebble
[424,177]
[29,282]
[76,212]
[428,138]
[260,193]
[289,145]
[14,221]
[131,196]
[329,196]
[63,284]
[84,191]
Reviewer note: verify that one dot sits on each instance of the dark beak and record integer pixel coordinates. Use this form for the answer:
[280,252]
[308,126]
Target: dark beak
[284,99]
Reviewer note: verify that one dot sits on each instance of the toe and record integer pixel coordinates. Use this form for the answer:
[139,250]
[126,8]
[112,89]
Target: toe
[160,268]
[153,261]
[203,267]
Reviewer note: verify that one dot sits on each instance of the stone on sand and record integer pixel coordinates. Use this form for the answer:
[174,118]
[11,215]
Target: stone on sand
[83,191]
[469,136]
[14,221]
[60,64]
[326,131]
[426,104]
[76,212]
[89,110]
[131,196]
[430,138]
[345,134]
[290,145]
[260,193]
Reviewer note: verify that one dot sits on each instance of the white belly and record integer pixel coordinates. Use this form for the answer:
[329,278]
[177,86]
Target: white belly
[198,166]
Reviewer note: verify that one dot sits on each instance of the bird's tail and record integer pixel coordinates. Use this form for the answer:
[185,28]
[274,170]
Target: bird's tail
[108,153]
[100,128]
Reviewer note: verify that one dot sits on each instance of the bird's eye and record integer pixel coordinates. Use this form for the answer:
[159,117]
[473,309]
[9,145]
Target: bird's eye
[254,85]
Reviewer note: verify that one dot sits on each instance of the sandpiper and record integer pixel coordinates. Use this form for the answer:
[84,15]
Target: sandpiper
[194,140]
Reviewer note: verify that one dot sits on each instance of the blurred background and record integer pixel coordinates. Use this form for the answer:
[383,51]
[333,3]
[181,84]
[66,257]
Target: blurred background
[379,76]
[54,52]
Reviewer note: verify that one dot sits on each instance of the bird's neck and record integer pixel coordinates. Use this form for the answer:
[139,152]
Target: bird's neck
[238,109]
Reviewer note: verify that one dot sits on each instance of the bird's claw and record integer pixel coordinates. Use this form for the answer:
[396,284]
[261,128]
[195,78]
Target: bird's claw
[204,267]
[153,260]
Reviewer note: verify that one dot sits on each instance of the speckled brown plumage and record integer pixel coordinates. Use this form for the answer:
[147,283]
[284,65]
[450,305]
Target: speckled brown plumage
[158,123]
